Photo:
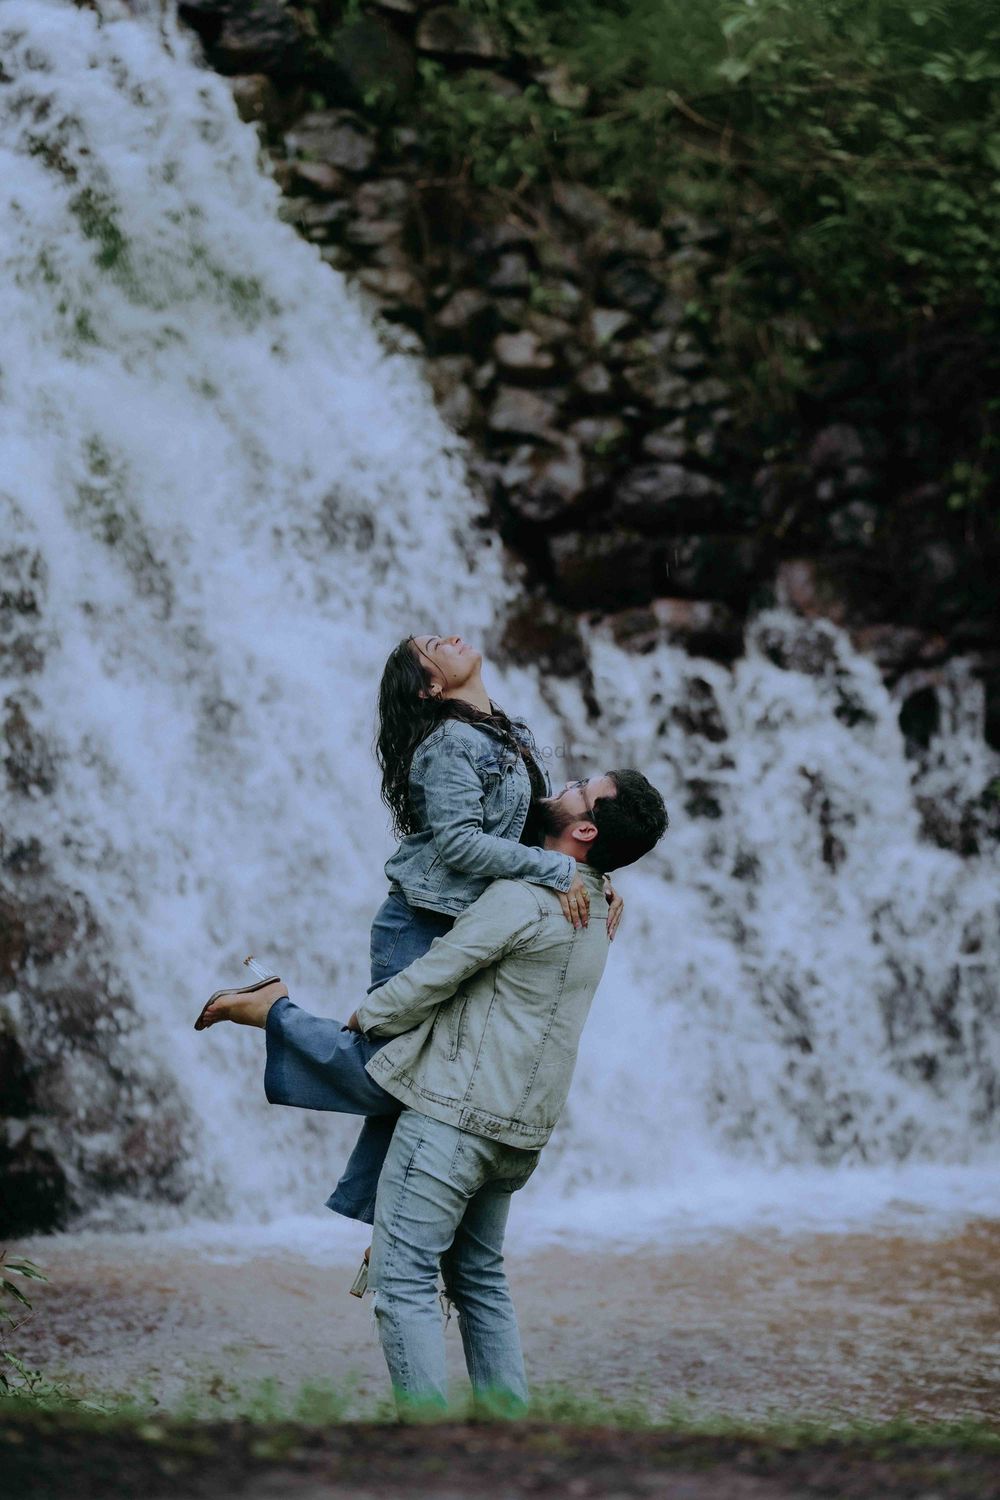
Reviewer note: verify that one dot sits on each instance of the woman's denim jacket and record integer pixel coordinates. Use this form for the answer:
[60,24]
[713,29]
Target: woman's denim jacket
[470,794]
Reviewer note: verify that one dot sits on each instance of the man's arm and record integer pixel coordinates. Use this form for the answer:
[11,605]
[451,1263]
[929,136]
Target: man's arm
[488,929]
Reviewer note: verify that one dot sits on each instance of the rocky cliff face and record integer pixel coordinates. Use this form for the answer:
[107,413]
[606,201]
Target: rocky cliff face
[82,1118]
[567,343]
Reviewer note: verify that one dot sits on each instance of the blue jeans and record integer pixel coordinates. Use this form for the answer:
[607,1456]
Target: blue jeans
[443,1198]
[314,1062]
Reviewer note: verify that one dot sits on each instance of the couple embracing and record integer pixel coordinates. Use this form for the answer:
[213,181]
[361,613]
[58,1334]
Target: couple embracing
[485,957]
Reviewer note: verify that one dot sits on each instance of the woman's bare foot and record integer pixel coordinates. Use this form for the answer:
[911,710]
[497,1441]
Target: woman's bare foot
[245,1010]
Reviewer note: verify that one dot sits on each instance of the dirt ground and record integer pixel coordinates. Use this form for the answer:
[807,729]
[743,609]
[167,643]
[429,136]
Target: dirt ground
[52,1458]
[836,1326]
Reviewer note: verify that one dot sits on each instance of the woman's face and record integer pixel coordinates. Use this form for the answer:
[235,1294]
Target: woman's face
[449,661]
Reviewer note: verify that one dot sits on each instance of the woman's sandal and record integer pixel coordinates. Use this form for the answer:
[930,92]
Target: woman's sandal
[201,1024]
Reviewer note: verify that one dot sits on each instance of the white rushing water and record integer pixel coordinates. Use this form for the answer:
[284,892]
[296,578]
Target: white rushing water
[242,502]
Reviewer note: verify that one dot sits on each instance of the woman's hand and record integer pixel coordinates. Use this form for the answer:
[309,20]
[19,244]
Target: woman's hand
[615,906]
[576,903]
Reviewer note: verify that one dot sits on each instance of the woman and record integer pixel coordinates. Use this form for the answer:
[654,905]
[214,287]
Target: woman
[458,777]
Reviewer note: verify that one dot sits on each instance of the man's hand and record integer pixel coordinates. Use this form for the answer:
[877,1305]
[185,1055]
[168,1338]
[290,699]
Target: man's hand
[575,903]
[352,1022]
[615,906]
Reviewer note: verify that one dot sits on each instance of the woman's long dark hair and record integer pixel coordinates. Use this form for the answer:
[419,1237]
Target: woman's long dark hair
[405,719]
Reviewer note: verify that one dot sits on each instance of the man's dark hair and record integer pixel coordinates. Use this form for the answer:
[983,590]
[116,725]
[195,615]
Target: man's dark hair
[628,825]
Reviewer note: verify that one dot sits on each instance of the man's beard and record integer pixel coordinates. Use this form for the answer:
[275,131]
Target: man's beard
[550,818]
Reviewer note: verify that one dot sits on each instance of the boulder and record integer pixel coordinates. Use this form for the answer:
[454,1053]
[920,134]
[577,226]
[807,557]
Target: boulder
[899,648]
[451,382]
[582,206]
[334,136]
[604,569]
[540,635]
[595,380]
[29,762]
[656,385]
[600,435]
[511,274]
[36,1196]
[524,355]
[257,100]
[629,283]
[667,444]
[319,177]
[836,446]
[451,32]
[704,627]
[400,293]
[367,56]
[714,566]
[659,497]
[604,324]
[467,316]
[541,485]
[238,38]
[386,198]
[521,413]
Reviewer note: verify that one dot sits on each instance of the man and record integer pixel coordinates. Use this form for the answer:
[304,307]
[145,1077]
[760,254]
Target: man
[484,1031]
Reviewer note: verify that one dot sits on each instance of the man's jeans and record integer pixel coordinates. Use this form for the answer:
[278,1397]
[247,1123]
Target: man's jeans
[313,1062]
[443,1198]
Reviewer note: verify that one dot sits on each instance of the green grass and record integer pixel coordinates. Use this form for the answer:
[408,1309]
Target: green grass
[321,1405]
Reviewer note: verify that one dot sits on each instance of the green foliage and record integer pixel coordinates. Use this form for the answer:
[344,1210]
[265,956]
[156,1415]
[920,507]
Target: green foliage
[851,146]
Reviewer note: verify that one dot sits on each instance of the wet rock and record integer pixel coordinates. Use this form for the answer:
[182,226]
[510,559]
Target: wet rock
[657,386]
[713,567]
[600,435]
[920,717]
[658,497]
[23,637]
[511,274]
[368,55]
[667,444]
[29,763]
[542,484]
[449,31]
[319,219]
[595,380]
[703,799]
[451,378]
[704,627]
[524,355]
[584,207]
[539,634]
[387,198]
[563,89]
[854,524]
[319,177]
[35,1197]
[257,100]
[803,586]
[399,291]
[605,324]
[630,284]
[836,446]
[522,413]
[709,392]
[375,234]
[334,136]
[604,570]
[468,315]
[897,648]
[239,38]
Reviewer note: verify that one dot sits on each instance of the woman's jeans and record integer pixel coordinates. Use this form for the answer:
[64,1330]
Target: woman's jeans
[443,1199]
[313,1062]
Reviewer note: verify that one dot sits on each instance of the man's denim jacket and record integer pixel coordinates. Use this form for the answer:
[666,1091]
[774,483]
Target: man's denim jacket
[470,794]
[485,1026]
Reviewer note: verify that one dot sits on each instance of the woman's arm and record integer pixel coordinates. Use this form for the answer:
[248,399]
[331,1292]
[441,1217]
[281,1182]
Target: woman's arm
[454,795]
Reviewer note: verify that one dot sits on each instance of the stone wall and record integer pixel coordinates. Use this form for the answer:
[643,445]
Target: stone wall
[566,342]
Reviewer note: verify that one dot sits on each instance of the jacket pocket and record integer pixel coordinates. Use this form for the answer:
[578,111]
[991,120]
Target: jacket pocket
[456,1026]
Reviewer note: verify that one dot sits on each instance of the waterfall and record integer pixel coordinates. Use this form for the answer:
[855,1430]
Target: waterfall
[241,499]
